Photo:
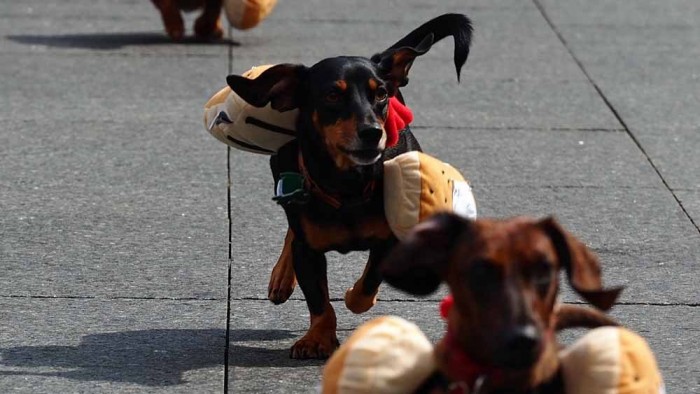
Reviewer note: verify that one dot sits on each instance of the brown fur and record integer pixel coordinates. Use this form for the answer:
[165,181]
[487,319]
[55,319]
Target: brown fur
[207,26]
[282,278]
[503,275]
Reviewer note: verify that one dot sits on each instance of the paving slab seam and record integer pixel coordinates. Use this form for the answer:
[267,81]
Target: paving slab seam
[556,187]
[230,238]
[614,111]
[392,22]
[58,51]
[434,301]
[518,128]
[69,297]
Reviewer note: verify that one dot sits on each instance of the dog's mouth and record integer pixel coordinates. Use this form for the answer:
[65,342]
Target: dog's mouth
[521,358]
[363,157]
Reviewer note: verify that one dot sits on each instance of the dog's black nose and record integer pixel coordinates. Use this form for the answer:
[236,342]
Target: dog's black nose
[522,346]
[370,134]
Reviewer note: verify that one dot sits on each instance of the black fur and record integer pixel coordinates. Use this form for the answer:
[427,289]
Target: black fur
[323,104]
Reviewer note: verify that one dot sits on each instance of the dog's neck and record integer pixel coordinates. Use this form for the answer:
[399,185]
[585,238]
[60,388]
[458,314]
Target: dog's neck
[465,374]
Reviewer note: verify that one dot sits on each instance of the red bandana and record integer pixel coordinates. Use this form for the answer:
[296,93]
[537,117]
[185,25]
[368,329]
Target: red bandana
[398,116]
[460,367]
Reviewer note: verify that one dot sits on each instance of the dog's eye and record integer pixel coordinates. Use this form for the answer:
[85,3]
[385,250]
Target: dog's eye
[381,94]
[482,276]
[541,275]
[332,97]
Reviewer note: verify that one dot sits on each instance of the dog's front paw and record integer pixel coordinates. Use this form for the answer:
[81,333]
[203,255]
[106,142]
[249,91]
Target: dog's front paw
[283,280]
[279,291]
[314,347]
[357,302]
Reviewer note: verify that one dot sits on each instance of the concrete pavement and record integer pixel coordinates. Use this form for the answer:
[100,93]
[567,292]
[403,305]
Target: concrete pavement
[114,256]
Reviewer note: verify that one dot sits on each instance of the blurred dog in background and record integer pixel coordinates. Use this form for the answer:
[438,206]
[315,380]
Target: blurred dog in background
[206,27]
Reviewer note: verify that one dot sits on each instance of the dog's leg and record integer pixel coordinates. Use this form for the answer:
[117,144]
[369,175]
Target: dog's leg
[208,25]
[282,279]
[172,19]
[320,341]
[363,295]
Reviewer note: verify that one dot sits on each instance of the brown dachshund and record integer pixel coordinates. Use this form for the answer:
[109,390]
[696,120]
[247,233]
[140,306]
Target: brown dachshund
[207,26]
[503,276]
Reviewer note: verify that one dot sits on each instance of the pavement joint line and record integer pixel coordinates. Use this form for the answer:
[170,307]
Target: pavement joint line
[612,108]
[333,299]
[392,22]
[56,53]
[521,128]
[431,301]
[230,237]
[552,187]
[116,298]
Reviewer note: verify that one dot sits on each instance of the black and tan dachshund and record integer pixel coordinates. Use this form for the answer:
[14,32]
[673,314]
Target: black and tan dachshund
[340,149]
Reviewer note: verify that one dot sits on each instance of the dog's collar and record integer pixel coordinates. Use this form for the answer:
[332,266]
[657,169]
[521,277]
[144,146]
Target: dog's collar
[332,199]
[466,375]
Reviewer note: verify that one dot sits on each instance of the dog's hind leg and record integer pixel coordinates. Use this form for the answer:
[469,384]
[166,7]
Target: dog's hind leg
[363,295]
[172,19]
[282,279]
[208,25]
[320,341]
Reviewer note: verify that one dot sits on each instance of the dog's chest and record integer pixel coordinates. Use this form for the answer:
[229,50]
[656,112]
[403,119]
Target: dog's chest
[344,237]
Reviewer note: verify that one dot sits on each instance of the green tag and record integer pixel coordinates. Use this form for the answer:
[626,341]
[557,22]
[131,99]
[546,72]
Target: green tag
[290,189]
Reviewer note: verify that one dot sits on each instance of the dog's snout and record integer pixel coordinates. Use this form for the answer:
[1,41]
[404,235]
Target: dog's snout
[370,134]
[522,346]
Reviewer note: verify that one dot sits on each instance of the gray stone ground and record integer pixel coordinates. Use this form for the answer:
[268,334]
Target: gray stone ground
[113,199]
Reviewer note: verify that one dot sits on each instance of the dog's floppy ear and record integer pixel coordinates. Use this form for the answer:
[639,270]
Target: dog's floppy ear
[396,60]
[417,265]
[581,265]
[394,64]
[279,85]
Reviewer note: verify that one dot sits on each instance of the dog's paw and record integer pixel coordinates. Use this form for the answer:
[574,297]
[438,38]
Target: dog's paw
[357,302]
[282,282]
[314,347]
[279,294]
[206,29]
[174,24]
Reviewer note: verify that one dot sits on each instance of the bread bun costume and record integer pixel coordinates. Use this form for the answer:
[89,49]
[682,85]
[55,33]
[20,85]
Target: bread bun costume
[391,355]
[611,360]
[416,185]
[385,355]
[233,121]
[246,14]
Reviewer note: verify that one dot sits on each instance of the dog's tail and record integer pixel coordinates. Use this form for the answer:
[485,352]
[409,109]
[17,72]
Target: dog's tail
[456,25]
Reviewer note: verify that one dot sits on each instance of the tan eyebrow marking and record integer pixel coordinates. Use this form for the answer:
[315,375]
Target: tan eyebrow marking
[373,84]
[341,84]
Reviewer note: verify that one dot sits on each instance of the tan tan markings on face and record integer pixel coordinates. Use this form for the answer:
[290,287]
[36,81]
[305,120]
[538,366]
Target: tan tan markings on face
[373,84]
[340,134]
[341,84]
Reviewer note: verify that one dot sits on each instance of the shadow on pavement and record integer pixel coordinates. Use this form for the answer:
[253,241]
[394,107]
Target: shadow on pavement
[108,41]
[148,357]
